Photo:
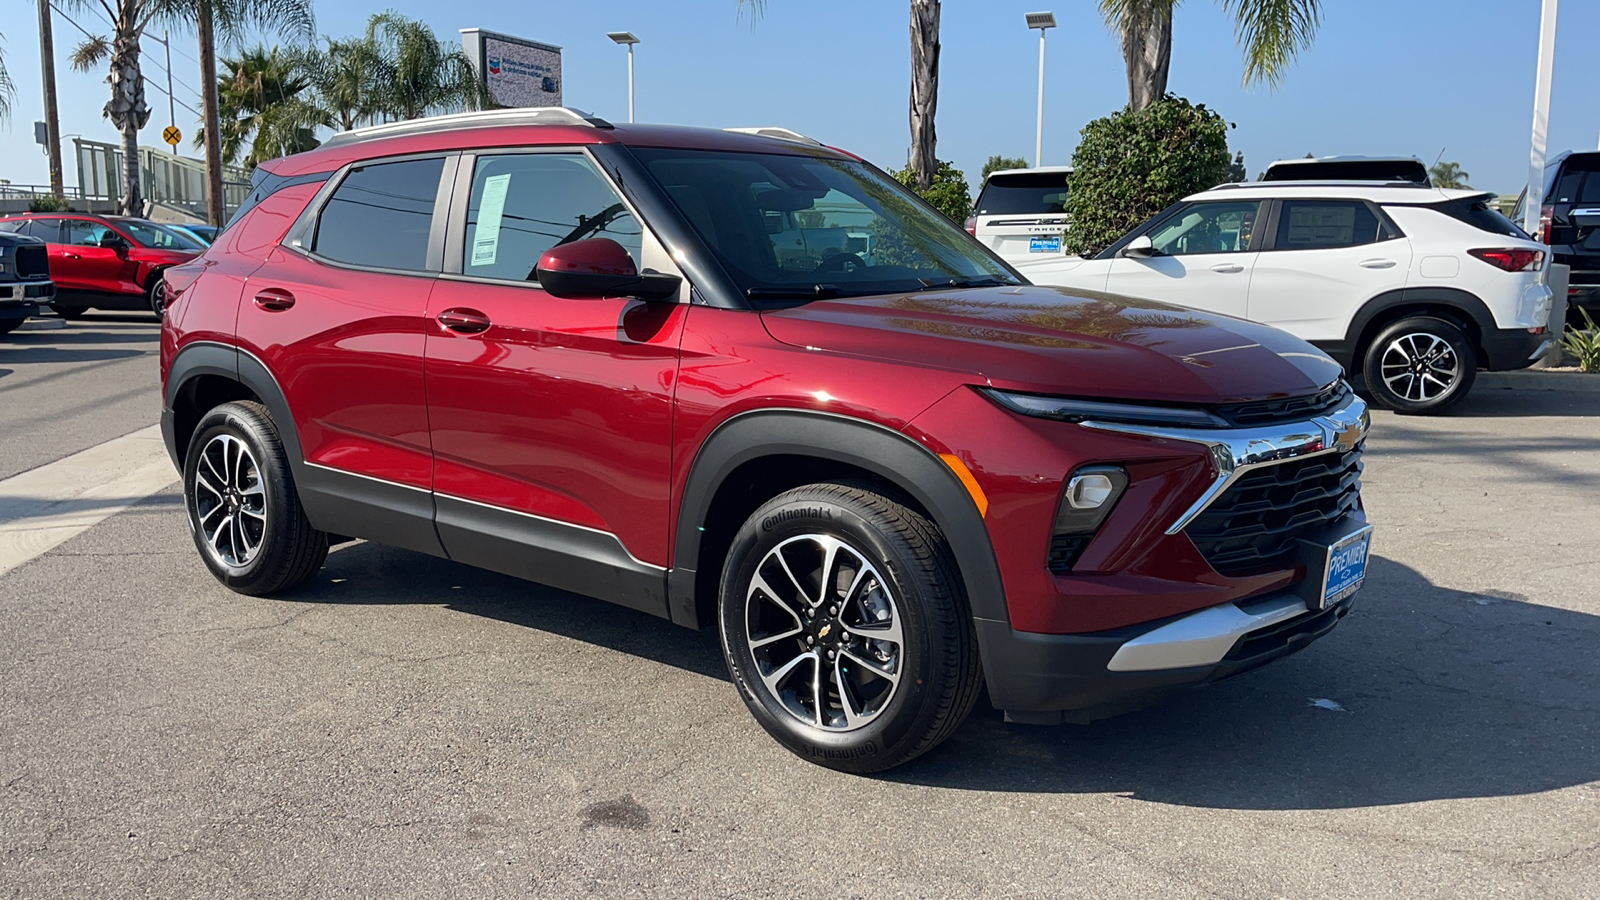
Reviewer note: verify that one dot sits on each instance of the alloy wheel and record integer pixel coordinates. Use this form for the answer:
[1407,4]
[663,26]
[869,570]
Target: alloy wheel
[1418,366]
[230,501]
[825,631]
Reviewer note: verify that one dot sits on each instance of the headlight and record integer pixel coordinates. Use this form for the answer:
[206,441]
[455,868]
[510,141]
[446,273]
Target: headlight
[1067,409]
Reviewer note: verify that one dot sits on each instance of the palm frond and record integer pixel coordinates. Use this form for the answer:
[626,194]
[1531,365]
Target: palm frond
[1272,33]
[8,90]
[754,8]
[1116,11]
[89,54]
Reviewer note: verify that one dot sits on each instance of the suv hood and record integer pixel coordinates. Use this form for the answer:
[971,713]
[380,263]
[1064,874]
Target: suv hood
[1063,341]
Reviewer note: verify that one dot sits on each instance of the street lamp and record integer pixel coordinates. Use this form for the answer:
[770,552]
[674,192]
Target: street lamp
[1041,21]
[626,37]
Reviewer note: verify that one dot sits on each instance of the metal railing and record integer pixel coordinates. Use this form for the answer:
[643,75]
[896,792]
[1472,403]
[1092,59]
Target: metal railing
[164,177]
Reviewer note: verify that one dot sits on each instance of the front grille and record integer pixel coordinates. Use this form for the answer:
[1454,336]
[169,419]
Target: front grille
[32,262]
[1293,409]
[1255,524]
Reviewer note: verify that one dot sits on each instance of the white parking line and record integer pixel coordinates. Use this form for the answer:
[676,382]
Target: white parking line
[43,507]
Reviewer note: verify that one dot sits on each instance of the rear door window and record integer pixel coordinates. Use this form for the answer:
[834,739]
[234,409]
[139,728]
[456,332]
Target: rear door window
[1325,225]
[523,204]
[1579,182]
[1030,193]
[380,216]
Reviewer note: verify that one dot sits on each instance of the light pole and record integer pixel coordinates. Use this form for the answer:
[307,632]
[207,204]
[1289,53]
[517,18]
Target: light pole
[626,37]
[1532,206]
[1041,21]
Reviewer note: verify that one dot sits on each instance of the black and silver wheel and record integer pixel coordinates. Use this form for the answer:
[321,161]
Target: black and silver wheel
[1420,366]
[844,625]
[155,294]
[243,510]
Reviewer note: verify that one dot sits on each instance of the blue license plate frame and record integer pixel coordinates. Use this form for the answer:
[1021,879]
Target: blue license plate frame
[1345,567]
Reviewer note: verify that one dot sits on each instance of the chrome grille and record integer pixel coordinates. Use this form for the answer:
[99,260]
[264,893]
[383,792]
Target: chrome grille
[1255,524]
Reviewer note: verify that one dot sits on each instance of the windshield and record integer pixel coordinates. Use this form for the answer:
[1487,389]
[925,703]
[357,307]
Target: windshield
[149,234]
[790,228]
[1031,192]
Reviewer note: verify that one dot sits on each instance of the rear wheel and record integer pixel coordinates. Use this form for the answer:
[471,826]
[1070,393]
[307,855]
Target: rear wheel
[845,627]
[155,294]
[1420,366]
[243,510]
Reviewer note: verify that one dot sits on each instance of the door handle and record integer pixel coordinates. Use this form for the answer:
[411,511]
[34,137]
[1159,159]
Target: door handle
[70,256]
[1377,264]
[274,299]
[1227,268]
[464,321]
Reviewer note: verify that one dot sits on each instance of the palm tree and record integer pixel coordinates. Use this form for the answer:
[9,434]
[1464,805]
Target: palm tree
[1448,175]
[924,165]
[419,74]
[231,18]
[266,107]
[7,90]
[1272,33]
[344,77]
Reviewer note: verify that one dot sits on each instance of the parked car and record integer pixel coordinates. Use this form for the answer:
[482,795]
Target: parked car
[1414,288]
[1569,222]
[888,476]
[106,262]
[1350,168]
[205,234]
[24,279]
[1021,214]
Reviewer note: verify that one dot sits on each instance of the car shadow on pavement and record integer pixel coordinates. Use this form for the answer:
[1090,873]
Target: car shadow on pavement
[1422,693]
[1518,404]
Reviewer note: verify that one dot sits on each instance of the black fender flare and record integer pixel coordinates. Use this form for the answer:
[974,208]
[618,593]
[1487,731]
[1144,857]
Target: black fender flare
[1464,302]
[238,365]
[888,454]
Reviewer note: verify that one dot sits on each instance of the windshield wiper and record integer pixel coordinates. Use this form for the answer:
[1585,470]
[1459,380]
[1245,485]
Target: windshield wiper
[814,292]
[935,284]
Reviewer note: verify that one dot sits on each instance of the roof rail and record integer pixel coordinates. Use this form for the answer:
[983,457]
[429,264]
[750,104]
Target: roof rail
[782,134]
[532,115]
[1324,182]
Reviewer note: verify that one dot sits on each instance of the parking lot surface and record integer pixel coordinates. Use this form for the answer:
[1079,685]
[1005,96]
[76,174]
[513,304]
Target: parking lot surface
[408,727]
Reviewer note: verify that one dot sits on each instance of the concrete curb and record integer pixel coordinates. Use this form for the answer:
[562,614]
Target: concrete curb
[40,324]
[1534,380]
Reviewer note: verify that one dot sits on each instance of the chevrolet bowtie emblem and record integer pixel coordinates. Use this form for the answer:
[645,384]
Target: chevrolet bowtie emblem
[823,631]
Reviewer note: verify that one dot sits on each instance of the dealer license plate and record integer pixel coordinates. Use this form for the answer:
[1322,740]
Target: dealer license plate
[19,291]
[1346,567]
[1045,244]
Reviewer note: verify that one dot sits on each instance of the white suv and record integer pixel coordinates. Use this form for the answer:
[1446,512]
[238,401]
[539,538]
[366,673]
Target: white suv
[1021,214]
[1414,287]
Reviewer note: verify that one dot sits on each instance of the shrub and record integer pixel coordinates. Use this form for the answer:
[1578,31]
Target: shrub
[1131,165]
[948,193]
[47,203]
[998,162]
[1584,343]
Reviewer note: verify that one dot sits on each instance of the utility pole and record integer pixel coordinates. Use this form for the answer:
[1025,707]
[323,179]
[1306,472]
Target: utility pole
[172,109]
[52,121]
[1541,118]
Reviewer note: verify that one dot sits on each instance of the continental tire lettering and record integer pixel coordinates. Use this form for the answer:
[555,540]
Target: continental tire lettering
[778,518]
[867,749]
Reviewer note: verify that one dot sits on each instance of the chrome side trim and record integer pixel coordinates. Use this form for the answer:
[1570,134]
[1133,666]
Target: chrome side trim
[1235,452]
[545,519]
[1201,638]
[383,481]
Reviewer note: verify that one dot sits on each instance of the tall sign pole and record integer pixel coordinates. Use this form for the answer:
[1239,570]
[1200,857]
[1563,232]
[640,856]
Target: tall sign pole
[1042,21]
[172,108]
[52,121]
[1541,117]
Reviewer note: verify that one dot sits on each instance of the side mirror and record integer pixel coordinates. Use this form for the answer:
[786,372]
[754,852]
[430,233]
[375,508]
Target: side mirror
[1140,248]
[599,267]
[113,242]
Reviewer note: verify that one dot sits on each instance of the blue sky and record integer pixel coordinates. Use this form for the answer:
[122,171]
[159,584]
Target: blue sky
[1389,77]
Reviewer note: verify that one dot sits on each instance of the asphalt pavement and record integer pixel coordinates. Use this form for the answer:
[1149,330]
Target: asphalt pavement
[409,727]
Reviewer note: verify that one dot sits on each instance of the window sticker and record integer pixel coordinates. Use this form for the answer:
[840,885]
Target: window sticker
[486,240]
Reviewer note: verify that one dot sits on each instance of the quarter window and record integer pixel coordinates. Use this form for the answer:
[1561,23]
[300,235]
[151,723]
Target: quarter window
[380,215]
[523,204]
[1326,225]
[1207,228]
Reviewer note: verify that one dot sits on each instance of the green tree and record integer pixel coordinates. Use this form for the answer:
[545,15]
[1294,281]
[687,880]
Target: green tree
[1236,170]
[8,91]
[998,162]
[948,193]
[417,73]
[924,165]
[1131,165]
[266,107]
[344,79]
[1448,175]
[1271,32]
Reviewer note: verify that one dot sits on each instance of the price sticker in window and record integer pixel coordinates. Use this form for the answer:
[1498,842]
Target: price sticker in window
[486,240]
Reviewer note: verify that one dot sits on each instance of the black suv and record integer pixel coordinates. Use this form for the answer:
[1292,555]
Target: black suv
[1569,221]
[24,279]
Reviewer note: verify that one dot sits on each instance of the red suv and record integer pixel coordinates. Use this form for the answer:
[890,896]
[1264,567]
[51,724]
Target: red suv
[106,262]
[752,383]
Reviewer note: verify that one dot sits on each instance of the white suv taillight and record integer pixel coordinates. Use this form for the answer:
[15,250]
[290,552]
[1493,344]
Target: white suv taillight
[1513,260]
[971,225]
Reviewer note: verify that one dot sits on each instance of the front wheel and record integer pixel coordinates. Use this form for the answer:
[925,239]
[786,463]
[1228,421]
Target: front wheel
[846,628]
[243,510]
[155,294]
[1420,366]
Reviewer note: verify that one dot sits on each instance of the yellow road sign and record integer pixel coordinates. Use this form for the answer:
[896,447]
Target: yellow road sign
[172,135]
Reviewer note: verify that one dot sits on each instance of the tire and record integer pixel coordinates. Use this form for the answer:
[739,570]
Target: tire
[1420,366]
[155,294]
[893,574]
[71,312]
[9,325]
[243,510]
